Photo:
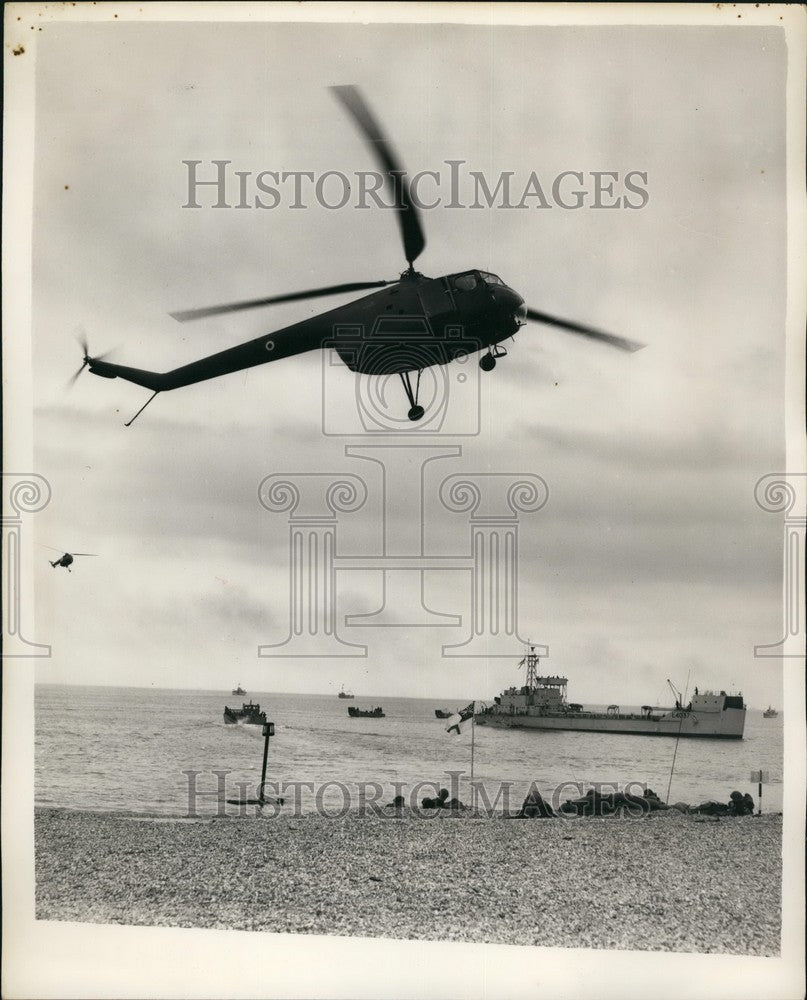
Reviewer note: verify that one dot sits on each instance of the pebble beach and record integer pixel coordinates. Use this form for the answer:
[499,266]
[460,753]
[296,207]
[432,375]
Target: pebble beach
[665,882]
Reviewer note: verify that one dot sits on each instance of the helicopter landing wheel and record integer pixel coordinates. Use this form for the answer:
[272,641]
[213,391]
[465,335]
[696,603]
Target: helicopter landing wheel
[487,363]
[415,411]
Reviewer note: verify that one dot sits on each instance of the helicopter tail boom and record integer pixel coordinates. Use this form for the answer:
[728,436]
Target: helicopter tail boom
[149,380]
[297,339]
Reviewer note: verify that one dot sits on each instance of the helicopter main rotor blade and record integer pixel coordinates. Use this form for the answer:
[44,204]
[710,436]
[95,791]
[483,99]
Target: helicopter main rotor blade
[95,554]
[586,331]
[411,232]
[353,286]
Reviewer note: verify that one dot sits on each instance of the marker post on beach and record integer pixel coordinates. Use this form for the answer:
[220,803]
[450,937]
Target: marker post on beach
[473,734]
[760,777]
[268,731]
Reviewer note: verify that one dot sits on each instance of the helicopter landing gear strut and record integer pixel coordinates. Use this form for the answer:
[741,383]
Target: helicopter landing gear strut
[415,411]
[488,361]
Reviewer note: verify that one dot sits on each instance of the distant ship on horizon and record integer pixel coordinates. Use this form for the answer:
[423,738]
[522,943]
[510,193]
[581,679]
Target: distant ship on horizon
[344,694]
[239,690]
[770,713]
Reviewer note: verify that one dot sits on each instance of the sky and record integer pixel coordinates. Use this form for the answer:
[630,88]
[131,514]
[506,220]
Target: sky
[650,558]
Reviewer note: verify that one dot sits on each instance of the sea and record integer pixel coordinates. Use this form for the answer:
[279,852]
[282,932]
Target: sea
[169,753]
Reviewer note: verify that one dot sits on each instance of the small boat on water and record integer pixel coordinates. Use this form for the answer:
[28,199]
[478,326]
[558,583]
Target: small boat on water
[365,713]
[344,694]
[770,713]
[249,714]
[441,713]
[239,691]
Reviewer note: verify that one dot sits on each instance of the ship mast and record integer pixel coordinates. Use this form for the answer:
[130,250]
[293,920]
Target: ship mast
[531,660]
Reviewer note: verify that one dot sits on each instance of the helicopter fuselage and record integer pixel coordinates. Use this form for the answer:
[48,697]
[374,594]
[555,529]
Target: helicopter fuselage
[406,327]
[427,321]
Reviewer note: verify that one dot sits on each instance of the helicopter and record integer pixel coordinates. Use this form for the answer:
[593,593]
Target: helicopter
[67,559]
[408,325]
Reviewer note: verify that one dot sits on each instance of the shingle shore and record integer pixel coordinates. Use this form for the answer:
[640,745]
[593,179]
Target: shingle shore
[666,882]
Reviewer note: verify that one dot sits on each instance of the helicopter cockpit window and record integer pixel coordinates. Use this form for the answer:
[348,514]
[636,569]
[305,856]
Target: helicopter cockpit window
[490,279]
[465,282]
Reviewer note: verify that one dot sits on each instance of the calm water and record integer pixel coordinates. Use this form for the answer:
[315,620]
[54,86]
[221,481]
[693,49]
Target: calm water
[126,748]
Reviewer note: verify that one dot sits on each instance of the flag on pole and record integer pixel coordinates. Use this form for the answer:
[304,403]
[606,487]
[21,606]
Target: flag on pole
[456,722]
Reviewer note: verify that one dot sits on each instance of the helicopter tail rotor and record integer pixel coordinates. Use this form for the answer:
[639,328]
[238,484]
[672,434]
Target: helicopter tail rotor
[81,338]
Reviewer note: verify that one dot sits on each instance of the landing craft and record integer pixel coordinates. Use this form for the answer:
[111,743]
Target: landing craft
[409,325]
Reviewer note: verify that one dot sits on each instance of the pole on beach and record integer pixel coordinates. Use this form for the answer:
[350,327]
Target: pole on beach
[760,776]
[268,730]
[473,735]
[682,710]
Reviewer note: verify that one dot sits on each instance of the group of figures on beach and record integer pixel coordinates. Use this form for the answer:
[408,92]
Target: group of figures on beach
[596,803]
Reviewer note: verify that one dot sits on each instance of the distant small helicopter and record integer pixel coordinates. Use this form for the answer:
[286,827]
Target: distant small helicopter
[414,322]
[67,559]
